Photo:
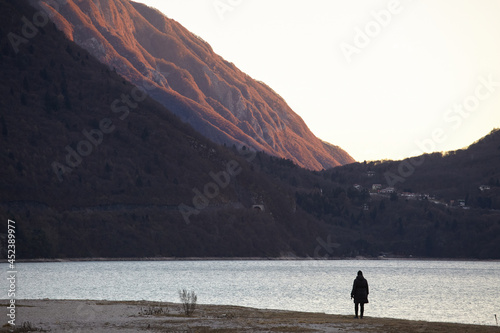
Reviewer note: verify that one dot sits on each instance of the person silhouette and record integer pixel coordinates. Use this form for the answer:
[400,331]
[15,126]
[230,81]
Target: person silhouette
[360,294]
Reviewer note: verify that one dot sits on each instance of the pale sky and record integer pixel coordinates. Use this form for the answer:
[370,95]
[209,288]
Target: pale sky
[383,79]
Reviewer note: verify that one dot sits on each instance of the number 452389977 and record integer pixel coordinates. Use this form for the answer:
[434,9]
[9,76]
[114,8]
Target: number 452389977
[11,253]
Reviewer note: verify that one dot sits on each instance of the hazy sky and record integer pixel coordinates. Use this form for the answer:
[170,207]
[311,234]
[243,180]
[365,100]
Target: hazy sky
[381,79]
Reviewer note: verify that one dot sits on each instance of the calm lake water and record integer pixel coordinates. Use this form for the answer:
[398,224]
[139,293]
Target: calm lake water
[448,291]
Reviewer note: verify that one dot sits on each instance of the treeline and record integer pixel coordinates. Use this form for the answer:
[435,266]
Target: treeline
[373,224]
[407,228]
[455,175]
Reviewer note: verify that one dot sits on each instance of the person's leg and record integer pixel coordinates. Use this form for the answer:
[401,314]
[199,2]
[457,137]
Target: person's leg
[362,310]
[356,309]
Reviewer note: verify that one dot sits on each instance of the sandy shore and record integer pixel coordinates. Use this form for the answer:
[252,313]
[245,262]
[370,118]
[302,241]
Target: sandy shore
[143,316]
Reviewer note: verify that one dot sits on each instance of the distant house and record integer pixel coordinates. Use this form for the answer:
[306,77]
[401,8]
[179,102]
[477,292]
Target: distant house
[409,195]
[388,190]
[366,207]
[370,173]
[461,202]
[484,188]
[376,186]
[358,187]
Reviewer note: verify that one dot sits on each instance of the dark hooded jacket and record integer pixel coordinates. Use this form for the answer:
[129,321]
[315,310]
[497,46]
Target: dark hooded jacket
[360,290]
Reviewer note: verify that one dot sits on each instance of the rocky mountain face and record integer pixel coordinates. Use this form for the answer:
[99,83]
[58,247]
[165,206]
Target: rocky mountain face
[181,71]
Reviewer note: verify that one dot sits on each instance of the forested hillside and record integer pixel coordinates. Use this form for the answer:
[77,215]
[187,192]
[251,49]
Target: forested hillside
[92,168]
[437,210]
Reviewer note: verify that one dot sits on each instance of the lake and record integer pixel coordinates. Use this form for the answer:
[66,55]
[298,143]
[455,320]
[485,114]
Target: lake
[448,291]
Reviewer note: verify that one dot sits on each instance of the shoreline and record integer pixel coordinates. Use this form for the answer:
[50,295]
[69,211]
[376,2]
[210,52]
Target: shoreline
[148,316]
[97,259]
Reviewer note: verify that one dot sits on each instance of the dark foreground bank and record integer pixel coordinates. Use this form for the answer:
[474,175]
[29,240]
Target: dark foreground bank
[144,316]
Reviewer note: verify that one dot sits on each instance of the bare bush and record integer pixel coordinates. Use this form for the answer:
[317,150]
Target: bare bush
[188,300]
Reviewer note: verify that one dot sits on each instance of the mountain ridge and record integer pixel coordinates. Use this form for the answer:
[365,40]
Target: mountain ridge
[185,74]
[129,182]
[126,196]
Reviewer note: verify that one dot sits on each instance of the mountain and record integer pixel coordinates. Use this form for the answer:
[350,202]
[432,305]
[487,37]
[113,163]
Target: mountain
[442,205]
[182,72]
[92,167]
[463,174]
[433,205]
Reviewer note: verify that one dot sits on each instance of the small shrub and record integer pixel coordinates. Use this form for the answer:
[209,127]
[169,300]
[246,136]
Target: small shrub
[188,300]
